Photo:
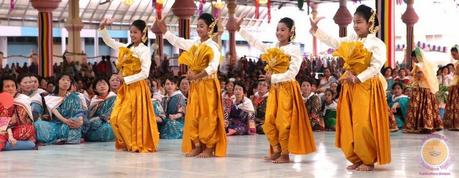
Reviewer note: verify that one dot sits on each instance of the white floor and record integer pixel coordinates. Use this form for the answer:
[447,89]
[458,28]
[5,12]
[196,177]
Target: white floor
[244,159]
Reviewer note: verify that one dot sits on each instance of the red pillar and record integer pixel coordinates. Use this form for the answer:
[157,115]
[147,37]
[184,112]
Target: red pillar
[343,18]
[409,18]
[45,34]
[231,27]
[184,9]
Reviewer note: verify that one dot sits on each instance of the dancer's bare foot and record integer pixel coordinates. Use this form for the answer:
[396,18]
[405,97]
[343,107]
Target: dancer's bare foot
[196,151]
[120,149]
[207,153]
[273,156]
[354,166]
[364,167]
[282,159]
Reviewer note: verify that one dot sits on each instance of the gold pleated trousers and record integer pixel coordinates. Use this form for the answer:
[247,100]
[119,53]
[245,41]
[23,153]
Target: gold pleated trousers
[204,121]
[133,119]
[286,120]
[362,127]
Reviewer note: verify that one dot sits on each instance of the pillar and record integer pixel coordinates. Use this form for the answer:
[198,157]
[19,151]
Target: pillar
[314,39]
[45,34]
[231,27]
[74,26]
[409,18]
[4,49]
[184,9]
[343,18]
[96,44]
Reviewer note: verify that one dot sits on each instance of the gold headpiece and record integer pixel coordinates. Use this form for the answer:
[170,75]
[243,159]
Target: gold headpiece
[293,35]
[145,35]
[373,28]
[212,27]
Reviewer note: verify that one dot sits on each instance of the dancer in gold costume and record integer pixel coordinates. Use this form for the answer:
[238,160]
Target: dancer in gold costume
[133,118]
[204,131]
[362,125]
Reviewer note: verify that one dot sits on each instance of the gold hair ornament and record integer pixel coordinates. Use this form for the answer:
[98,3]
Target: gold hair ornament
[373,28]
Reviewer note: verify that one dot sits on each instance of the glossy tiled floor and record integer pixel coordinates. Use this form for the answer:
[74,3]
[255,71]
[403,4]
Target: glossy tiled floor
[244,160]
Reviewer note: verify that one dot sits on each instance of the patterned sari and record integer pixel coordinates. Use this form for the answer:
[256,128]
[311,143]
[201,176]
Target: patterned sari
[313,105]
[55,131]
[423,113]
[173,128]
[21,122]
[100,129]
[452,106]
[240,115]
[397,119]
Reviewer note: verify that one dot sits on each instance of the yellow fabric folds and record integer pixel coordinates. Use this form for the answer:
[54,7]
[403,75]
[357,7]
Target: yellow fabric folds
[132,119]
[127,63]
[277,61]
[197,58]
[362,127]
[355,56]
[428,80]
[204,121]
[286,120]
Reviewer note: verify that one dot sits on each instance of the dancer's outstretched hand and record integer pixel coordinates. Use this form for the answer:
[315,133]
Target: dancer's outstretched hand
[161,25]
[314,23]
[104,23]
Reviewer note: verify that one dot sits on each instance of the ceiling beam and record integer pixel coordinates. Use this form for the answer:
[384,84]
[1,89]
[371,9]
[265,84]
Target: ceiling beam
[105,12]
[25,11]
[135,11]
[63,10]
[85,9]
[124,15]
[145,10]
[93,12]
[116,10]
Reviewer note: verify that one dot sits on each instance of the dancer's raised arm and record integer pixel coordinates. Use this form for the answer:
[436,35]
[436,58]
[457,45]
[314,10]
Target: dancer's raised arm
[109,41]
[174,40]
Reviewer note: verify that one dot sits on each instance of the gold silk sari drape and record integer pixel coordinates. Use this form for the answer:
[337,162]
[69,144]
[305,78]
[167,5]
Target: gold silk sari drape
[133,119]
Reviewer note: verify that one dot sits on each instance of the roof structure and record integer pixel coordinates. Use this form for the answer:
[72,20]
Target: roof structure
[93,11]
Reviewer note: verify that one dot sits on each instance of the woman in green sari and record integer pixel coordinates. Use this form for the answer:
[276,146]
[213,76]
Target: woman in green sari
[100,109]
[398,104]
[174,105]
[67,112]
